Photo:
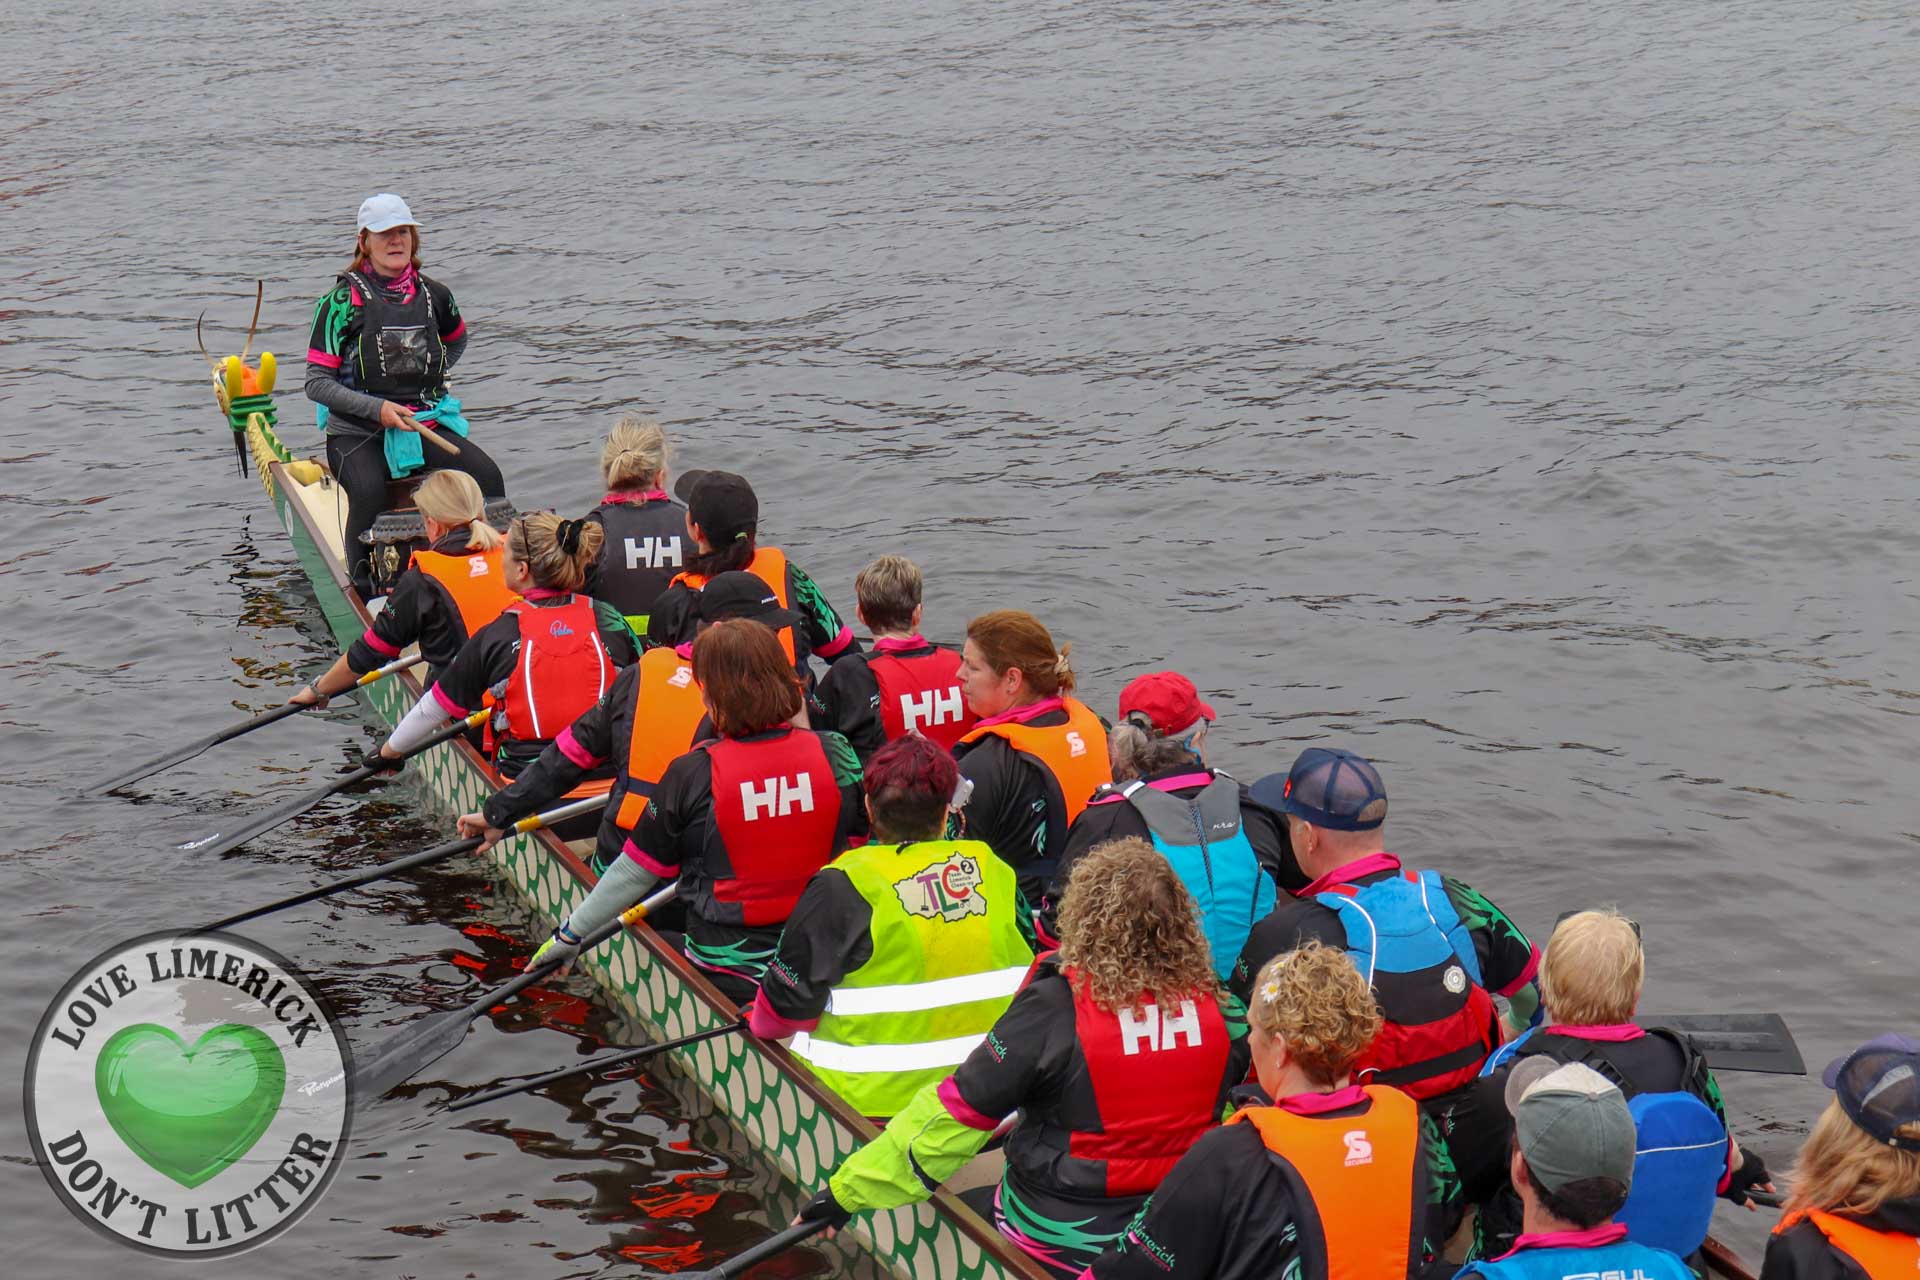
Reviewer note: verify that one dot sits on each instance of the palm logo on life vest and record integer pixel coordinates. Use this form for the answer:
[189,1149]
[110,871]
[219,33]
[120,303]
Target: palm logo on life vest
[559,629]
[930,707]
[1152,1031]
[947,890]
[653,552]
[777,797]
[1359,1150]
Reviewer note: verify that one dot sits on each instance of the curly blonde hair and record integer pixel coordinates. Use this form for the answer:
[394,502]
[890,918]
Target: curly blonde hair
[1130,931]
[1316,1001]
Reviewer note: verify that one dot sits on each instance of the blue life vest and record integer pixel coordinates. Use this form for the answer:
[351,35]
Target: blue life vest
[1621,1260]
[1403,924]
[1204,840]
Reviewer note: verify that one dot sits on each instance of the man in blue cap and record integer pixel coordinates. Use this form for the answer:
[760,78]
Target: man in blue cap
[1435,951]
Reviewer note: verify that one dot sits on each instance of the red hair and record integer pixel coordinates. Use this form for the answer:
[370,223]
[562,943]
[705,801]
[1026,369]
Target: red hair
[909,784]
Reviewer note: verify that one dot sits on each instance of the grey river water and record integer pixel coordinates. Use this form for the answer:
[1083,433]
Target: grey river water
[1519,394]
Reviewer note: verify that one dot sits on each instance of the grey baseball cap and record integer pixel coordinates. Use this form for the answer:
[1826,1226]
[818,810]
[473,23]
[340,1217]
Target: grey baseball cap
[1571,1122]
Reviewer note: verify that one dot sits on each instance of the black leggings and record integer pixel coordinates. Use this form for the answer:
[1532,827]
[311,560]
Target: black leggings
[359,466]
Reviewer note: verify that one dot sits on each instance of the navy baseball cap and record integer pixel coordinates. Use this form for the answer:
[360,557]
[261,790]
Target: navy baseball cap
[1328,787]
[1878,1086]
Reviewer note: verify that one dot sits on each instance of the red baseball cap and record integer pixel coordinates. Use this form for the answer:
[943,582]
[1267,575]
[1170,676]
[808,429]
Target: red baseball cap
[1166,698]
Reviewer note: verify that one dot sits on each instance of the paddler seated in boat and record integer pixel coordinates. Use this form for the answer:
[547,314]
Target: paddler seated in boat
[1118,1054]
[723,517]
[742,821]
[543,661]
[906,685]
[1590,979]
[1434,950]
[1853,1207]
[1036,755]
[446,593]
[1228,849]
[1322,1177]
[1571,1160]
[902,953]
[646,541]
[651,716]
[384,339]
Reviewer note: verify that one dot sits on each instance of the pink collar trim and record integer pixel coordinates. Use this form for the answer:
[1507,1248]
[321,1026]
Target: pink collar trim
[1620,1032]
[543,593]
[894,644]
[1180,780]
[1372,863]
[1020,715]
[1608,1233]
[685,650]
[635,496]
[1313,1104]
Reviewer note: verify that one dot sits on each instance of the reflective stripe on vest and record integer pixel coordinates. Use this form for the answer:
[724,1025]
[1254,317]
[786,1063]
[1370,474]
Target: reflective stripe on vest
[667,711]
[1404,935]
[1359,1175]
[769,564]
[1881,1254]
[474,580]
[945,958]
[1075,753]
[922,692]
[776,811]
[562,670]
[1204,840]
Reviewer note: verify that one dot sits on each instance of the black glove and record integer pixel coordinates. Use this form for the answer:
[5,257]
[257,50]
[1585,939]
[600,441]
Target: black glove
[1751,1173]
[824,1208]
[380,764]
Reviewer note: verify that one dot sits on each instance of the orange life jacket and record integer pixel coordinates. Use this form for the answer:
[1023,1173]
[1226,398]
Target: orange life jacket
[667,711]
[1074,752]
[1359,1171]
[1881,1254]
[562,668]
[474,580]
[770,566]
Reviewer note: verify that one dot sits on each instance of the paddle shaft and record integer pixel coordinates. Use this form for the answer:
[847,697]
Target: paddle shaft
[779,1242]
[221,841]
[437,440]
[426,857]
[536,973]
[598,1064]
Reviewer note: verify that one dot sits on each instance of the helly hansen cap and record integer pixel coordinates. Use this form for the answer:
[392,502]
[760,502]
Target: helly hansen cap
[384,212]
[1570,1122]
[1330,788]
[1878,1086]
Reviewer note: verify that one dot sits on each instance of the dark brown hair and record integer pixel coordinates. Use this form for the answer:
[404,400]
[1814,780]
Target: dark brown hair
[748,683]
[1009,638]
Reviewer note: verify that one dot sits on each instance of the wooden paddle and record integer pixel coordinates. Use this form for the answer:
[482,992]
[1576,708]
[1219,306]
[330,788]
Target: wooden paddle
[221,841]
[1737,1041]
[187,752]
[426,857]
[432,1038]
[620,1059]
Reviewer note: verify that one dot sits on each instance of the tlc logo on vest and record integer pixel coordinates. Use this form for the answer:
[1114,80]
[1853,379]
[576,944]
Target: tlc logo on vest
[653,553]
[934,706]
[776,797]
[949,891]
[1153,1032]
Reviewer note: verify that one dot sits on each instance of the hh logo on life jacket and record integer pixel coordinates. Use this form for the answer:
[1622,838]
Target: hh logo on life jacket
[947,891]
[1076,745]
[681,678]
[559,629]
[777,797]
[935,706]
[1359,1150]
[1154,1031]
[476,566]
[653,552]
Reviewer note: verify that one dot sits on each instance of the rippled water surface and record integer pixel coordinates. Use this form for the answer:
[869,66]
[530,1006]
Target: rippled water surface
[1519,394]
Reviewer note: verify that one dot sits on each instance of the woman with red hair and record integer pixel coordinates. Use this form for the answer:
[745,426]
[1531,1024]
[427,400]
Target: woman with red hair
[902,953]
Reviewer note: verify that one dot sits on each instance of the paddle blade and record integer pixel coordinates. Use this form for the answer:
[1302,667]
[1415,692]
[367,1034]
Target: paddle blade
[221,841]
[1757,1042]
[187,751]
[407,1054]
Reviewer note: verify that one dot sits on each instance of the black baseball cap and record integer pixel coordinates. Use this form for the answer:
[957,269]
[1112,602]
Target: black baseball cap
[1878,1086]
[721,503]
[739,594]
[1328,787]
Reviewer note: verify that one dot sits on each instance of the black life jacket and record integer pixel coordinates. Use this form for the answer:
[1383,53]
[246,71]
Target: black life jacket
[646,548]
[400,356]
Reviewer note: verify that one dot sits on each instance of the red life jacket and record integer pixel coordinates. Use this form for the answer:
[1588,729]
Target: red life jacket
[1156,1076]
[922,692]
[562,668]
[776,809]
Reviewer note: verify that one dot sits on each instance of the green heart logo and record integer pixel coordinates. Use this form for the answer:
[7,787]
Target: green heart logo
[190,1113]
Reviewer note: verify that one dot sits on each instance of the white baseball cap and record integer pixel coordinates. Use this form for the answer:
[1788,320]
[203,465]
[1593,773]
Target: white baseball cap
[384,212]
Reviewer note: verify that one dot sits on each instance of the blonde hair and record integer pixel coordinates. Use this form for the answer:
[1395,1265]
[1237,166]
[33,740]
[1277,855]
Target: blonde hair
[454,499]
[1316,1001]
[1592,970]
[888,591]
[1845,1169]
[1129,930]
[359,262]
[1009,638]
[540,541]
[634,455]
